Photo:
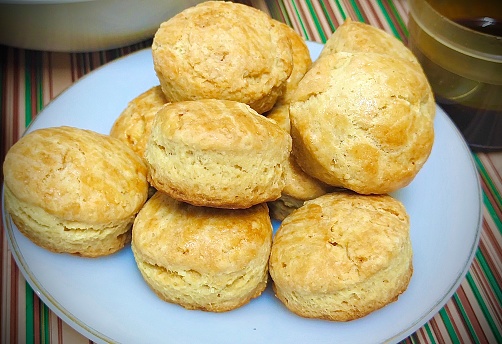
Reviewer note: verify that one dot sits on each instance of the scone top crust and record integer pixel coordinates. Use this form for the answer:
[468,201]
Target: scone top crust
[363,121]
[337,241]
[76,174]
[134,124]
[178,236]
[222,50]
[358,37]
[219,125]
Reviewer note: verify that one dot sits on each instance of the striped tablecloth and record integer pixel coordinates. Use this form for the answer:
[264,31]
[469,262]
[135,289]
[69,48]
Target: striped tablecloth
[31,79]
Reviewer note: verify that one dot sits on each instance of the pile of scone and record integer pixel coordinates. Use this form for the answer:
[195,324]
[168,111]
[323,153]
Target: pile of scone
[244,128]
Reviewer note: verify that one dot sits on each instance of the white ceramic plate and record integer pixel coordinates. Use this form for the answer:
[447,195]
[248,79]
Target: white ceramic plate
[107,300]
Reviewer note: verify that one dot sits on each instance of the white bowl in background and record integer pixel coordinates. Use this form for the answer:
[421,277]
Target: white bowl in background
[82,25]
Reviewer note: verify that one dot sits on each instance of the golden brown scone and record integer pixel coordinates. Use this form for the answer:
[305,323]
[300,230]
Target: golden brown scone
[298,185]
[74,191]
[202,258]
[363,121]
[134,124]
[358,37]
[342,256]
[222,50]
[217,153]
[301,62]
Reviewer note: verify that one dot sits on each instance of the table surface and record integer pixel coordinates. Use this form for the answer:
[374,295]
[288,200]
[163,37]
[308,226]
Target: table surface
[31,79]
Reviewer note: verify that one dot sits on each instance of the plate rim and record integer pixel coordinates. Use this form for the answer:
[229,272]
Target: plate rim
[98,336]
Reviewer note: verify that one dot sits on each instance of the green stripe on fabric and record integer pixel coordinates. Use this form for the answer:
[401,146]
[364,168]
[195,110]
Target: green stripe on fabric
[449,326]
[484,309]
[461,308]
[39,86]
[489,275]
[316,21]
[33,87]
[328,18]
[399,19]
[27,91]
[278,11]
[492,212]
[489,183]
[285,13]
[297,12]
[340,9]
[429,332]
[45,324]
[30,336]
[359,15]
[387,17]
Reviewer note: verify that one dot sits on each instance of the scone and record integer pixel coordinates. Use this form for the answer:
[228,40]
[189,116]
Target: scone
[202,258]
[363,121]
[358,37]
[74,191]
[298,185]
[301,62]
[342,256]
[217,153]
[222,50]
[134,124]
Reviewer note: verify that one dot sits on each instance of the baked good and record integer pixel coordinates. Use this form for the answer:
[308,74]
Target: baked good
[217,153]
[222,50]
[202,258]
[298,185]
[74,191]
[357,37]
[363,121]
[342,256]
[134,124]
[301,62]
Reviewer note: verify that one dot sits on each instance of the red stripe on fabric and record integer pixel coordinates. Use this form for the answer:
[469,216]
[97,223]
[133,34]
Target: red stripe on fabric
[471,315]
[485,290]
[450,309]
[491,198]
[36,318]
[34,84]
[362,12]
[60,330]
[394,20]
[437,331]
[331,14]
[15,111]
[303,19]
[14,301]
[493,266]
[50,76]
[497,173]
[350,10]
[378,22]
